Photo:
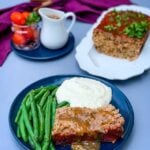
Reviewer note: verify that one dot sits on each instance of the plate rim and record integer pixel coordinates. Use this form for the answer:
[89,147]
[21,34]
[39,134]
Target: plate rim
[71,37]
[27,88]
[87,39]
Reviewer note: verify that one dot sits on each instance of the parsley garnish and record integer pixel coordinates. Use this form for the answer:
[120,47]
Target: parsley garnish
[109,27]
[33,18]
[136,29]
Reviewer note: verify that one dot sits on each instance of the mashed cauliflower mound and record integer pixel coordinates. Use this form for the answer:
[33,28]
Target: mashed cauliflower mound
[84,92]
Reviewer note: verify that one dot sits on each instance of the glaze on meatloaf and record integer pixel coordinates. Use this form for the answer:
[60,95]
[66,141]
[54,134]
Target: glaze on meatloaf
[122,34]
[75,124]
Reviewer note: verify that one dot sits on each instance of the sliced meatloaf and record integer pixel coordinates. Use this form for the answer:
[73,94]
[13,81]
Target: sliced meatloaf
[73,124]
[122,34]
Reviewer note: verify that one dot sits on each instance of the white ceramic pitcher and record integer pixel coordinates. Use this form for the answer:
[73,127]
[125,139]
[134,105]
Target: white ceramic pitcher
[54,34]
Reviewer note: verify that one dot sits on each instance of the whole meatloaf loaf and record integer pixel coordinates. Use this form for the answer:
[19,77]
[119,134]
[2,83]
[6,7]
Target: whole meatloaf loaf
[76,124]
[122,34]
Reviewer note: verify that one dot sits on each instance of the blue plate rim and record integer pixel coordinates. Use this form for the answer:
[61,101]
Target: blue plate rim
[17,52]
[131,121]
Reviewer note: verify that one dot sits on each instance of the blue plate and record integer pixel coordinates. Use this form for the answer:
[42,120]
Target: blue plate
[118,99]
[43,53]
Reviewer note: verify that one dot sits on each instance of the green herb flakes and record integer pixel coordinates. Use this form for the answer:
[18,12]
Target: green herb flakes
[118,18]
[109,28]
[136,29]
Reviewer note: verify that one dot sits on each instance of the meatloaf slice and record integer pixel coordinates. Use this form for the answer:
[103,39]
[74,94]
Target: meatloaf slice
[122,34]
[73,124]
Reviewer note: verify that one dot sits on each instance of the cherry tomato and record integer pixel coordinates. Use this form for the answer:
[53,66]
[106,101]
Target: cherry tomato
[18,39]
[29,33]
[36,34]
[26,14]
[17,18]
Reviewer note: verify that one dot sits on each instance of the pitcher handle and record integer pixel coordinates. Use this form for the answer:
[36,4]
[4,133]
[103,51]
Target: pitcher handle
[73,16]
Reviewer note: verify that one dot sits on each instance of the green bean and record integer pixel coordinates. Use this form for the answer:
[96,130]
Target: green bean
[52,147]
[45,145]
[48,119]
[30,115]
[63,103]
[22,128]
[31,142]
[54,104]
[47,136]
[44,106]
[54,92]
[18,115]
[37,90]
[35,119]
[44,98]
[51,87]
[41,122]
[19,111]
[31,95]
[38,95]
[37,146]
[27,122]
[18,132]
[29,127]
[29,100]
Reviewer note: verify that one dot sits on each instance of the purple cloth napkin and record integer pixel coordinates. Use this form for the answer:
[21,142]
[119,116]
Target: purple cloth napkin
[86,10]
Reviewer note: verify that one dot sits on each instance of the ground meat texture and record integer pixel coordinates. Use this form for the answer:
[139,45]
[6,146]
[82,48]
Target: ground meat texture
[117,46]
[73,124]
[86,145]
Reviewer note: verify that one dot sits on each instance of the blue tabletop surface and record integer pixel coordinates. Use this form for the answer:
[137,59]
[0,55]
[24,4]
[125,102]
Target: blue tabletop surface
[17,73]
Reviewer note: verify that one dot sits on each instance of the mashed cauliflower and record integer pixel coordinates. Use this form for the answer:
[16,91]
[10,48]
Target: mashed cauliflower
[84,92]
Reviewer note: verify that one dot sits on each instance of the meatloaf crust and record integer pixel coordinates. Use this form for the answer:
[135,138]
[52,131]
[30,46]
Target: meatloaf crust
[73,124]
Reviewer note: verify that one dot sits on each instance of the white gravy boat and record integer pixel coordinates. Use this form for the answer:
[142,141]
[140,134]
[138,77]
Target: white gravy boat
[54,34]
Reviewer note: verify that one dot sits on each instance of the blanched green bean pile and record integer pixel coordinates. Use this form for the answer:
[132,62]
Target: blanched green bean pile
[36,115]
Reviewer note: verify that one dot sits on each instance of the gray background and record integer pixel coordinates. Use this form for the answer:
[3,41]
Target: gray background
[17,73]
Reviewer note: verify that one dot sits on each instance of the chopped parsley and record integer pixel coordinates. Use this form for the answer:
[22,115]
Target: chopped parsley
[136,29]
[109,27]
[130,23]
[119,24]
[118,20]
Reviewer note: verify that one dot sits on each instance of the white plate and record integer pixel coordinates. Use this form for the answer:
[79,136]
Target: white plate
[109,67]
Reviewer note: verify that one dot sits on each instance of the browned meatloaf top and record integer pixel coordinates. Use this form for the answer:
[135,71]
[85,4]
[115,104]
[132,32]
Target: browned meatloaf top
[129,23]
[74,124]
